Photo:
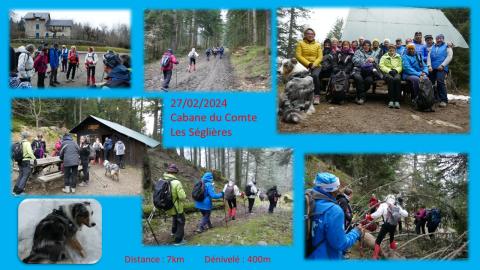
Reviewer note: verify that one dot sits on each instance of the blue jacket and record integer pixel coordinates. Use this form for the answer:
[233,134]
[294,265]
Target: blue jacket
[210,194]
[411,65]
[328,232]
[64,54]
[119,76]
[401,50]
[421,49]
[438,54]
[54,57]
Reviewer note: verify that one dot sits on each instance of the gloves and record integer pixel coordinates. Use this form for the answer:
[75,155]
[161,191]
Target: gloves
[368,217]
[310,65]
[393,72]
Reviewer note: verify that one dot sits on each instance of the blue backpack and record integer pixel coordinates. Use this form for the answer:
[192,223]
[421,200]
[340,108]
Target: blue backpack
[165,60]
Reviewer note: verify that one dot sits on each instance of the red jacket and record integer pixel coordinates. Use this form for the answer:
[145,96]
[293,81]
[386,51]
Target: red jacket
[373,202]
[41,63]
[173,60]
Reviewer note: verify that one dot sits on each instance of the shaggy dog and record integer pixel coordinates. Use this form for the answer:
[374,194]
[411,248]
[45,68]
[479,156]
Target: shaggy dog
[112,170]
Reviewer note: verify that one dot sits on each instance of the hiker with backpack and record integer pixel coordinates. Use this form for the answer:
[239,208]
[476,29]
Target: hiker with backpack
[41,65]
[325,221]
[91,59]
[251,193]
[25,63]
[434,217]
[205,204]
[107,147]
[208,52]
[118,76]
[64,58]
[343,200]
[170,196]
[400,203]
[85,154]
[221,51]
[438,59]
[342,66]
[97,147]
[420,220]
[391,214]
[273,195]
[73,62]
[54,60]
[373,203]
[119,150]
[414,70]
[70,155]
[168,59]
[22,153]
[231,191]
[391,66]
[39,147]
[192,56]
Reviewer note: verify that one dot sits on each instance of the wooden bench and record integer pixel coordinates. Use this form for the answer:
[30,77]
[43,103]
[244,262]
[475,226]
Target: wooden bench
[406,91]
[44,179]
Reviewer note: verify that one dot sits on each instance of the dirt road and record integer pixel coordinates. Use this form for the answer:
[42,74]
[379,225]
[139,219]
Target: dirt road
[214,75]
[376,117]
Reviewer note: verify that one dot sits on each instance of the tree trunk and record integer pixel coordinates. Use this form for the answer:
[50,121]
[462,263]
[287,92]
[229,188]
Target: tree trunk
[369,242]
[267,32]
[155,119]
[290,31]
[254,26]
[195,157]
[182,152]
[247,166]
[238,166]
[222,161]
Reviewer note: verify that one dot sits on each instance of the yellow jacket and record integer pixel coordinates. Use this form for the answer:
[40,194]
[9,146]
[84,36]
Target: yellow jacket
[309,52]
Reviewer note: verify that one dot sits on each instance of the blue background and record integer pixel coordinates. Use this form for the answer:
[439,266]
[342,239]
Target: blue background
[122,231]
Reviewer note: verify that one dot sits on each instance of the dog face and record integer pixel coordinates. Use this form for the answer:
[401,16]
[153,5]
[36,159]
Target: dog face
[82,214]
[290,66]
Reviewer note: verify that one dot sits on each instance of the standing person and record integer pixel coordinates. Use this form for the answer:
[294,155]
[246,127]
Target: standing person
[391,66]
[91,59]
[373,203]
[391,214]
[64,58]
[24,164]
[221,51]
[73,62]
[429,42]
[273,196]
[71,159]
[326,232]
[420,47]
[434,217]
[192,56]
[364,62]
[360,41]
[107,147]
[41,65]
[400,47]
[251,193]
[205,206]
[119,150]
[25,63]
[208,52]
[438,59]
[309,53]
[414,69]
[54,58]
[13,79]
[168,59]
[85,159]
[39,146]
[177,211]
[420,220]
[343,200]
[400,203]
[98,147]
[118,75]
[231,192]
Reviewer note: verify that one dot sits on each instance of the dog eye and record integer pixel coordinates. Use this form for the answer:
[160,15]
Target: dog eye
[92,212]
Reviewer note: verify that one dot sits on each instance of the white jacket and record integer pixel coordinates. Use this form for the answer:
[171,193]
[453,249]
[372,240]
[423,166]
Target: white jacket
[253,190]
[91,58]
[119,148]
[383,211]
[25,64]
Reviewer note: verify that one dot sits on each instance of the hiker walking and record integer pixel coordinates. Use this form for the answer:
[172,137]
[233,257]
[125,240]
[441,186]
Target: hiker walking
[85,159]
[91,59]
[208,52]
[71,158]
[25,63]
[434,217]
[391,214]
[373,203]
[326,237]
[73,62]
[251,193]
[118,76]
[23,155]
[420,220]
[54,59]
[231,191]
[119,150]
[107,147]
[400,223]
[168,59]
[205,206]
[221,51]
[192,55]
[64,58]
[98,147]
[273,195]
[343,200]
[39,146]
[41,65]
[177,211]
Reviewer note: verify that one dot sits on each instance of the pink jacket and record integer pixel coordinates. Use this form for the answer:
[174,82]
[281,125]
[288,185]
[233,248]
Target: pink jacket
[173,60]
[41,63]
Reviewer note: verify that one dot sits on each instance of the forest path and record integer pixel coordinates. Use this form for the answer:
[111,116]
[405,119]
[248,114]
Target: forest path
[214,75]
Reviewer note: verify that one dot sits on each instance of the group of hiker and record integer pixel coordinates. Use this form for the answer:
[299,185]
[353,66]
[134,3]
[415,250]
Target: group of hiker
[45,60]
[169,59]
[429,217]
[416,60]
[330,226]
[169,195]
[70,153]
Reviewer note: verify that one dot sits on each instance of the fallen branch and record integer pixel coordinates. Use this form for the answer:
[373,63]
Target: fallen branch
[455,252]
[423,235]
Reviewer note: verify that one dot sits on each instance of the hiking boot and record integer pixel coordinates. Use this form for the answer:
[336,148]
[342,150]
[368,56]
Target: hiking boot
[442,104]
[360,101]
[181,243]
[397,105]
[164,89]
[376,252]
[83,184]
[390,104]
[393,245]
[199,230]
[56,82]
[66,189]
[316,100]
[72,190]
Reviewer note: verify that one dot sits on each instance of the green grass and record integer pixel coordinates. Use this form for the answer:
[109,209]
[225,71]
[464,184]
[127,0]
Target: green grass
[313,165]
[254,62]
[85,48]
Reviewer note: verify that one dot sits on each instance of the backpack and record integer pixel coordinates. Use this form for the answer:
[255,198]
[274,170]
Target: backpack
[338,86]
[393,215]
[435,216]
[425,98]
[109,145]
[248,190]
[192,55]
[271,193]
[198,191]
[230,192]
[91,155]
[165,60]
[162,195]
[17,152]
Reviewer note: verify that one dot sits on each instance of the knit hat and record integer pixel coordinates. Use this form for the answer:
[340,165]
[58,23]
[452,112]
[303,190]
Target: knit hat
[386,40]
[366,41]
[25,134]
[390,198]
[410,45]
[440,36]
[172,168]
[327,182]
[208,176]
[428,36]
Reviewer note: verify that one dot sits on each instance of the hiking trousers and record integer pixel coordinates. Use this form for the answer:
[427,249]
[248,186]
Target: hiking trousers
[53,76]
[273,204]
[363,83]
[41,80]
[315,73]
[251,201]
[438,78]
[105,154]
[232,203]
[431,229]
[121,161]
[70,176]
[414,82]
[23,174]
[205,221]
[394,84]
[71,68]
[420,226]
[386,228]
[167,76]
[324,74]
[64,65]
[86,173]
[178,227]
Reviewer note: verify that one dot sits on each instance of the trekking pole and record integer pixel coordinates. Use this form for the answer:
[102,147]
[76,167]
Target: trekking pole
[244,207]
[176,77]
[225,212]
[150,217]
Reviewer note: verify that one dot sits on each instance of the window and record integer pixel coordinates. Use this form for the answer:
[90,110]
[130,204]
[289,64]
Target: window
[46,34]
[37,26]
[37,35]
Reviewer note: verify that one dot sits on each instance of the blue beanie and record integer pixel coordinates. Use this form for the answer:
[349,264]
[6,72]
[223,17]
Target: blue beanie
[327,182]
[208,176]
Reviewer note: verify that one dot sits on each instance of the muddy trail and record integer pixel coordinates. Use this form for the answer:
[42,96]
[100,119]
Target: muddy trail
[162,228]
[375,117]
[214,75]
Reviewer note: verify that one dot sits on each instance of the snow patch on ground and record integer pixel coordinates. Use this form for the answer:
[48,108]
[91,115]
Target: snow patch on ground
[458,97]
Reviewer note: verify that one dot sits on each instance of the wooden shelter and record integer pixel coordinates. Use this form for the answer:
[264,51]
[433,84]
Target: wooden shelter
[135,142]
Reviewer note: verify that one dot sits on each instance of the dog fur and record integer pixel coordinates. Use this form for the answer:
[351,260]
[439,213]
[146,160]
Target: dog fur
[112,170]
[57,230]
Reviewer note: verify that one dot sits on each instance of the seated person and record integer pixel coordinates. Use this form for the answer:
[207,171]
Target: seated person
[414,68]
[391,66]
[364,63]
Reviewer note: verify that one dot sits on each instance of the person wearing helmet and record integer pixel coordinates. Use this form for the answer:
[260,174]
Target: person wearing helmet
[177,212]
[118,75]
[327,233]
[391,213]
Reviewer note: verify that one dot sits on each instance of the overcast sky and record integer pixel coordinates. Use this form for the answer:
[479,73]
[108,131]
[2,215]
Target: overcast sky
[93,17]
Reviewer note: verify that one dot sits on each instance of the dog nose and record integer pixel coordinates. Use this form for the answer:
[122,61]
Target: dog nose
[93,224]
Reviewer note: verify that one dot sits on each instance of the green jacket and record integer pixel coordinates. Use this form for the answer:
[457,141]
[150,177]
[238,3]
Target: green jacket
[27,151]
[178,194]
[388,63]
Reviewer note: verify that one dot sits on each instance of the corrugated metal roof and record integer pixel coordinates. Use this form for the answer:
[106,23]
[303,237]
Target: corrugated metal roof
[34,15]
[399,23]
[61,23]
[123,130]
